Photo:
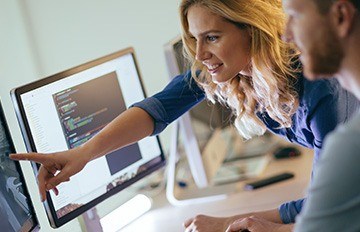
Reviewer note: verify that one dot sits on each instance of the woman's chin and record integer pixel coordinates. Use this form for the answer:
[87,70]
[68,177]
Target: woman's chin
[221,80]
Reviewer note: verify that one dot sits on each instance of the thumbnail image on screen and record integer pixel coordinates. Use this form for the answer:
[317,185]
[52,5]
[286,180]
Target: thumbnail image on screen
[16,212]
[66,110]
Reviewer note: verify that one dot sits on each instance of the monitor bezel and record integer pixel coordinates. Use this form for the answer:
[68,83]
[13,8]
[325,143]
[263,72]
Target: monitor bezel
[30,145]
[34,223]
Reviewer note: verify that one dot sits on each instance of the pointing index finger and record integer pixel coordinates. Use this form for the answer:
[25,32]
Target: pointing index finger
[38,158]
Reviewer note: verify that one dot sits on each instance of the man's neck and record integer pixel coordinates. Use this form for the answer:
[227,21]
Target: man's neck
[349,74]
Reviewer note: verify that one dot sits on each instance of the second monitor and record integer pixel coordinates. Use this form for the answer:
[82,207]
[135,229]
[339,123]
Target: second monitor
[16,209]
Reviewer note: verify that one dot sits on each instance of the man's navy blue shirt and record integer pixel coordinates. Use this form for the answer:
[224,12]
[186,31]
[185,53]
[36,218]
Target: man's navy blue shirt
[323,104]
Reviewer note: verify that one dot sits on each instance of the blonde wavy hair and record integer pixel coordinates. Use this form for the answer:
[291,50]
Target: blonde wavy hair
[270,87]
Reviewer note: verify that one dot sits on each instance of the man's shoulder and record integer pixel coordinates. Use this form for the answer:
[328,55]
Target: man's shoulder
[345,136]
[352,126]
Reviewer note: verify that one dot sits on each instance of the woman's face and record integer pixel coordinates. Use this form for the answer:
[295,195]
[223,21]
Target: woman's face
[221,46]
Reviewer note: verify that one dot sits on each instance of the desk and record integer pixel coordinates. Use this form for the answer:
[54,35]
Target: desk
[165,217]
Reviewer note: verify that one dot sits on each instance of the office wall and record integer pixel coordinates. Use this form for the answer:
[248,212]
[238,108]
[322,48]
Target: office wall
[17,65]
[41,37]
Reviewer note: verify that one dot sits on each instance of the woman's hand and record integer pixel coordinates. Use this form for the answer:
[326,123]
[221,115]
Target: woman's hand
[55,167]
[265,221]
[207,224]
[256,224]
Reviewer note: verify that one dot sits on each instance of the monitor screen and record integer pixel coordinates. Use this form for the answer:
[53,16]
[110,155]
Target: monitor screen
[16,210]
[67,109]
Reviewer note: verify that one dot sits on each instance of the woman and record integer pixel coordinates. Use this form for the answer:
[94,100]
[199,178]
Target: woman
[238,59]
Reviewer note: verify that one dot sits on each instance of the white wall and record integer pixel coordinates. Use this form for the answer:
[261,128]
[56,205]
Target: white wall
[42,37]
[17,64]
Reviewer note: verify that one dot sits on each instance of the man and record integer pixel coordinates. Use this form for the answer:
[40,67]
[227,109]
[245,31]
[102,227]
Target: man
[327,32]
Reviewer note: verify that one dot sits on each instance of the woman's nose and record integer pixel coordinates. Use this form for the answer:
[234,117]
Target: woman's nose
[202,52]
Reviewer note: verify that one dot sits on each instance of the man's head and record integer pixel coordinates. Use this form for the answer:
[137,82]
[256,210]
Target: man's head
[325,5]
[321,30]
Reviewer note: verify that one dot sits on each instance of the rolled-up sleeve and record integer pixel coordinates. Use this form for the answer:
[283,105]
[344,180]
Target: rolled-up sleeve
[289,210]
[179,96]
[156,110]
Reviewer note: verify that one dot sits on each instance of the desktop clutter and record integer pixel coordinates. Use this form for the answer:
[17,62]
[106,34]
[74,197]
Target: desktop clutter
[243,161]
[284,152]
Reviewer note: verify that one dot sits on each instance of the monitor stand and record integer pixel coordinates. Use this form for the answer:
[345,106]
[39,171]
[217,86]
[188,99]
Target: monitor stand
[200,192]
[90,221]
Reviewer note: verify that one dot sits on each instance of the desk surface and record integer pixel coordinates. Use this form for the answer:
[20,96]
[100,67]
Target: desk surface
[165,217]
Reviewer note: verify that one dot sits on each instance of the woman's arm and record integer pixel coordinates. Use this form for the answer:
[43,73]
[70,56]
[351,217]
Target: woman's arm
[147,117]
[129,127]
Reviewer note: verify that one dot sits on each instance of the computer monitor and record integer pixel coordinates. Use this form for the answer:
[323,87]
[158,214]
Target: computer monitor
[67,109]
[16,210]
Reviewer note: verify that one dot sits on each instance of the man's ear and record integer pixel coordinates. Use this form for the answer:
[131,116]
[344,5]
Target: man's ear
[342,15]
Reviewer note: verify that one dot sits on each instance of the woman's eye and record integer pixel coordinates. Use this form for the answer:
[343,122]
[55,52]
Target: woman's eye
[212,38]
